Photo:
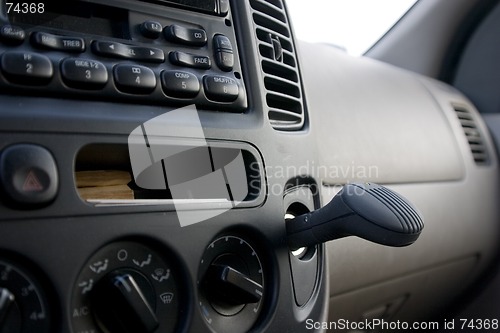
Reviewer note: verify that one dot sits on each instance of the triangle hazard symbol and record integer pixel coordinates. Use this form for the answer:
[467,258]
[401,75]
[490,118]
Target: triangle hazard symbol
[32,183]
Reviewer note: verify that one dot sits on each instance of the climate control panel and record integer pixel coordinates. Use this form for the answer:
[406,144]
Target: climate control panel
[127,287]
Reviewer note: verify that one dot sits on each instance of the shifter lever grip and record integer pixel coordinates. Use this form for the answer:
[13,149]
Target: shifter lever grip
[367,210]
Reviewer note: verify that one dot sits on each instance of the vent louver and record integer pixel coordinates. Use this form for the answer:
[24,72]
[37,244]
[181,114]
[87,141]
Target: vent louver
[279,64]
[473,135]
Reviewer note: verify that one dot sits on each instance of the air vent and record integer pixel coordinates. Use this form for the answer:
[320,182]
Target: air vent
[279,64]
[473,135]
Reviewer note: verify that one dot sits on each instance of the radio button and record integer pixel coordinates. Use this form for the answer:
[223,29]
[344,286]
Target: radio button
[60,43]
[84,73]
[27,67]
[220,88]
[223,7]
[223,53]
[221,42]
[151,29]
[180,84]
[187,36]
[134,79]
[190,60]
[119,50]
[225,60]
[12,34]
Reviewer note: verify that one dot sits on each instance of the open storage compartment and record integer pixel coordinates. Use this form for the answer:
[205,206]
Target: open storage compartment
[176,171]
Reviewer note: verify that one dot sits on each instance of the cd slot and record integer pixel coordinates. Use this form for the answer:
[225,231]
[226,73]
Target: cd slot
[188,173]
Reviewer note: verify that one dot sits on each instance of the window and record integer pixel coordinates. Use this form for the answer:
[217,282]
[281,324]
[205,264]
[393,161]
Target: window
[354,25]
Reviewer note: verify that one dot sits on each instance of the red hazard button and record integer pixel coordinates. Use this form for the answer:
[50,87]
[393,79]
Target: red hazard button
[28,175]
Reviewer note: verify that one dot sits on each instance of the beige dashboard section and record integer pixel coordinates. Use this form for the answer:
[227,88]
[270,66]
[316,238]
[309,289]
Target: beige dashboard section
[375,122]
[369,114]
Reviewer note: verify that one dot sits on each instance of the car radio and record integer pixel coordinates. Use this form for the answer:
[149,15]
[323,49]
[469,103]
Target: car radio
[154,52]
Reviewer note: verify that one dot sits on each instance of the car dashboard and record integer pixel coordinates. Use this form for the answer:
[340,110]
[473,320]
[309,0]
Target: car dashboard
[153,152]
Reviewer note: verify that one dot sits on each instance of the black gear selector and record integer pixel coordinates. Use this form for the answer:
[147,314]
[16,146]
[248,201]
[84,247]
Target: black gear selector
[367,210]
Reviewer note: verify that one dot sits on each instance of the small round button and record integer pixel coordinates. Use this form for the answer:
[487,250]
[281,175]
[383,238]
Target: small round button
[151,29]
[12,34]
[28,174]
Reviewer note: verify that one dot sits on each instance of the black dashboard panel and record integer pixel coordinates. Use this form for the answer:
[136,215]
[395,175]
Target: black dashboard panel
[105,51]
[79,85]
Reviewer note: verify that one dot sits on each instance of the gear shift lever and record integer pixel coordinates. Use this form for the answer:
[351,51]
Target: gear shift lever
[367,210]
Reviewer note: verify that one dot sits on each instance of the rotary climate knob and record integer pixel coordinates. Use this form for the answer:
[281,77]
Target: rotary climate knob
[231,285]
[124,301]
[127,287]
[23,305]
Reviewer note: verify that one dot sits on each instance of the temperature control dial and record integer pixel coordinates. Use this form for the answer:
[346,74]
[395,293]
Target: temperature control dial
[231,285]
[126,287]
[23,307]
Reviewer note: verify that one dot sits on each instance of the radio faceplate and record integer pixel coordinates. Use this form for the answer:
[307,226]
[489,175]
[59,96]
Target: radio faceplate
[127,51]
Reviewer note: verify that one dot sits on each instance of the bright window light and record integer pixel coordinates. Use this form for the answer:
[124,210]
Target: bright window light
[354,25]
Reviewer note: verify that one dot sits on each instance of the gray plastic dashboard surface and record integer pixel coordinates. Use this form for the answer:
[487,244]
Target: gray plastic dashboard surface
[376,122]
[366,113]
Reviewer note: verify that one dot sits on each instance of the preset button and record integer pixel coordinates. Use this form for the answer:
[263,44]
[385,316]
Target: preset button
[134,79]
[180,84]
[84,73]
[27,67]
[220,88]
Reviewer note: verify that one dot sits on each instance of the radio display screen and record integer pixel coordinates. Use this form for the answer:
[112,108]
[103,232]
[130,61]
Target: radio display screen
[204,5]
[79,17]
